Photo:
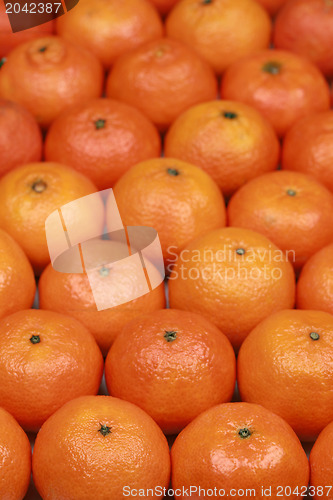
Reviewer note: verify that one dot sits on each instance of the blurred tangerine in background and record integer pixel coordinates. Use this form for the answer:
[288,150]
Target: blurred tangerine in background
[216,30]
[102,139]
[20,136]
[162,78]
[176,198]
[306,28]
[281,85]
[30,193]
[307,147]
[315,283]
[229,140]
[109,29]
[10,40]
[292,209]
[48,74]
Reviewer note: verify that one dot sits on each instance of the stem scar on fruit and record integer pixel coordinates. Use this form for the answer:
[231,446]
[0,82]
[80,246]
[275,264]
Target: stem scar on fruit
[39,186]
[99,124]
[170,335]
[104,430]
[173,171]
[291,192]
[314,336]
[230,115]
[240,251]
[244,433]
[2,61]
[104,271]
[272,67]
[35,339]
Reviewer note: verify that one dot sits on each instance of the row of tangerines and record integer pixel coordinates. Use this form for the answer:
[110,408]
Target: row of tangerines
[164,76]
[166,371]
[279,222]
[214,28]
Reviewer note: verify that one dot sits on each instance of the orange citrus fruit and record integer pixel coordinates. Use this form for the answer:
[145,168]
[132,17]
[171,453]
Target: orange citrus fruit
[282,85]
[15,456]
[321,464]
[306,28]
[94,446]
[235,278]
[109,29]
[46,359]
[10,40]
[285,364]
[307,147]
[162,78]
[102,139]
[17,281]
[48,74]
[291,209]
[231,141]
[216,31]
[196,367]
[237,448]
[177,199]
[71,293]
[29,194]
[315,284]
[20,136]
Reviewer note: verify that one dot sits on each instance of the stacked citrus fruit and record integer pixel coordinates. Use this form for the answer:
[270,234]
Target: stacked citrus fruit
[166,219]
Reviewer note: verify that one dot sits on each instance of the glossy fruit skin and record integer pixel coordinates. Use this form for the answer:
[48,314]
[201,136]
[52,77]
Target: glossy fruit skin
[177,199]
[231,141]
[20,136]
[281,367]
[321,464]
[110,29]
[72,459]
[23,210]
[162,78]
[269,203]
[70,293]
[17,281]
[282,93]
[315,283]
[10,40]
[307,147]
[15,456]
[38,378]
[306,28]
[216,31]
[194,372]
[102,152]
[212,279]
[272,6]
[49,74]
[210,453]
